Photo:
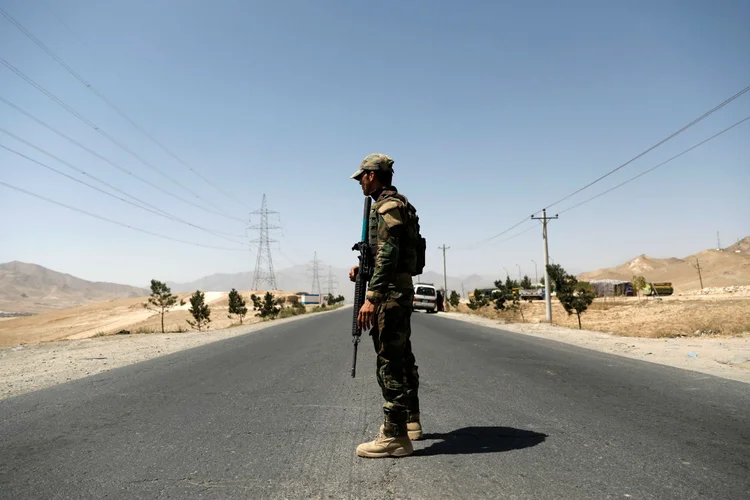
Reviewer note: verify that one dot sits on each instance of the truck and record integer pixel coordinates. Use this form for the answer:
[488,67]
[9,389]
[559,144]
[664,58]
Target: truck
[530,294]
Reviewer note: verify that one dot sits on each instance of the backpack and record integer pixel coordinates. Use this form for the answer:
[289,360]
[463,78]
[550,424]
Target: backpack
[415,258]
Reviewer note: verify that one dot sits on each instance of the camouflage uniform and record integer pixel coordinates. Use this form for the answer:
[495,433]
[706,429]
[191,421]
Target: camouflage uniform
[392,290]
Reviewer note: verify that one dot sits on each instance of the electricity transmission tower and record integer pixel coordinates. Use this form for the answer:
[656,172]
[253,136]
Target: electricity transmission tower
[264,275]
[331,282]
[316,276]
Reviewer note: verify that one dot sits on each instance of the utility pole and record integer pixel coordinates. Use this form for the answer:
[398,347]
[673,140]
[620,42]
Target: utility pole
[520,278]
[718,241]
[445,276]
[547,287]
[536,272]
[698,267]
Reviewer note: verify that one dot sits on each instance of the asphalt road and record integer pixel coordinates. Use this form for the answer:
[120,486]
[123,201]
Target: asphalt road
[275,414]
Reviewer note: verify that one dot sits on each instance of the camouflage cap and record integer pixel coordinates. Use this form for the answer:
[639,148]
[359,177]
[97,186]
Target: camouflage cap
[374,161]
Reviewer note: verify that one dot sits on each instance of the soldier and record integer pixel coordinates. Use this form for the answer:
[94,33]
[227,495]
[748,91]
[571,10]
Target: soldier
[393,231]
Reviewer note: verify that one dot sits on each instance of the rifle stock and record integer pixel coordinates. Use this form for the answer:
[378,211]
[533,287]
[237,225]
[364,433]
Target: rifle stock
[363,276]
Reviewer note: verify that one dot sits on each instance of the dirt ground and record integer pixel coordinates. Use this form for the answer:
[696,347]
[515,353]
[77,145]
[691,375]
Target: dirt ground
[726,357]
[30,367]
[109,317]
[716,315]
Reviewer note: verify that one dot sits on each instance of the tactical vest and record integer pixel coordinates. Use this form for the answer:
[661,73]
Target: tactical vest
[412,248]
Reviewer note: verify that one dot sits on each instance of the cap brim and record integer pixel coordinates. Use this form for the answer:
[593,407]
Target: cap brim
[356,175]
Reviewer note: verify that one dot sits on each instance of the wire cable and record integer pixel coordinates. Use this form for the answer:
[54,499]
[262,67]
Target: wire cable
[674,134]
[656,166]
[16,188]
[153,209]
[101,96]
[115,165]
[85,120]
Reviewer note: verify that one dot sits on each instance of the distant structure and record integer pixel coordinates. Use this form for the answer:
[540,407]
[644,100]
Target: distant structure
[264,277]
[316,275]
[331,282]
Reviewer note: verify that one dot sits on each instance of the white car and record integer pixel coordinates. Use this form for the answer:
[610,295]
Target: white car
[425,297]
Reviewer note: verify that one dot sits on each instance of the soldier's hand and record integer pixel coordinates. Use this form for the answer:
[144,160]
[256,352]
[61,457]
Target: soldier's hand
[366,316]
[353,273]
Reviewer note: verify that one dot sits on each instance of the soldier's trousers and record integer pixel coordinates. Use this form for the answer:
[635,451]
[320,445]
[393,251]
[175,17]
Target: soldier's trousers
[397,371]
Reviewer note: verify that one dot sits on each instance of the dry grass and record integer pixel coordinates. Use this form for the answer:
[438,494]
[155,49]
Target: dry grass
[641,318]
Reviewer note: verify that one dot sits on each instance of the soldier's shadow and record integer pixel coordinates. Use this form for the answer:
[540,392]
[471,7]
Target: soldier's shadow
[469,440]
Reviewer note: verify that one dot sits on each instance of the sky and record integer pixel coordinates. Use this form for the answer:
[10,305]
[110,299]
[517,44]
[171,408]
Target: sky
[490,110]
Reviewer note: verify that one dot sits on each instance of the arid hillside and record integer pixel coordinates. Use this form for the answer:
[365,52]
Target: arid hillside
[32,288]
[718,268]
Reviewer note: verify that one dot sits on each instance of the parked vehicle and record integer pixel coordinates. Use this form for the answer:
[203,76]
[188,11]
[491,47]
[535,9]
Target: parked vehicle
[531,294]
[425,297]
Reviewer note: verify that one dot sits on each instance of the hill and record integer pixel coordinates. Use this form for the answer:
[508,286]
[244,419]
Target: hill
[32,288]
[299,278]
[725,267]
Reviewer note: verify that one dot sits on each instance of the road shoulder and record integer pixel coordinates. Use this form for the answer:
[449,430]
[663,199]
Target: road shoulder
[728,358]
[31,367]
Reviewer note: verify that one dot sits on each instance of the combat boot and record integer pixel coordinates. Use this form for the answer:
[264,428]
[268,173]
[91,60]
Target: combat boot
[387,444]
[414,427]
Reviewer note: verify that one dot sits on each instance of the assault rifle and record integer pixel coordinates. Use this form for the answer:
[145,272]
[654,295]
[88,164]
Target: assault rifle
[362,277]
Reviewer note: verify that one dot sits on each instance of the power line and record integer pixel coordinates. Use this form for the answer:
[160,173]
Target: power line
[656,166]
[153,209]
[704,115]
[98,129]
[115,165]
[116,222]
[101,96]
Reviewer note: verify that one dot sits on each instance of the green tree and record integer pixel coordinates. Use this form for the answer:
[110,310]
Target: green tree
[574,296]
[557,277]
[525,282]
[161,300]
[509,284]
[639,283]
[267,307]
[200,311]
[478,300]
[504,298]
[334,300]
[454,299]
[237,304]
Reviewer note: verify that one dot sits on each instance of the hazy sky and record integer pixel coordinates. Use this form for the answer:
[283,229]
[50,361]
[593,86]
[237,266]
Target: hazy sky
[490,111]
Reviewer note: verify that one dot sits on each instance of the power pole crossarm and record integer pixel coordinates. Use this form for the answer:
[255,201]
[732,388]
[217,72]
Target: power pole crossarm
[547,298]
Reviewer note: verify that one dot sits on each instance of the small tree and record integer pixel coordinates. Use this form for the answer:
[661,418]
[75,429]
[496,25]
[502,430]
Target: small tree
[330,299]
[478,301]
[237,304]
[509,284]
[639,283]
[525,282]
[200,311]
[267,307]
[574,296]
[454,299]
[161,300]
